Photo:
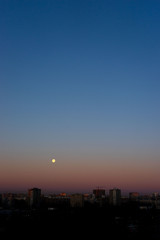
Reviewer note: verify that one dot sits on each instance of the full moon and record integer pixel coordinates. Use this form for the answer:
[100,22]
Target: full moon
[53,160]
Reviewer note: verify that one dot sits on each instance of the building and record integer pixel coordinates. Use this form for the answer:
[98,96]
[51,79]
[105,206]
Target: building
[54,201]
[115,196]
[8,199]
[99,193]
[155,195]
[77,200]
[34,196]
[134,196]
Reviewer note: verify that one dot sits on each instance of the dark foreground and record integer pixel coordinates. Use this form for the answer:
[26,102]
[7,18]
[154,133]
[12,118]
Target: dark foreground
[127,222]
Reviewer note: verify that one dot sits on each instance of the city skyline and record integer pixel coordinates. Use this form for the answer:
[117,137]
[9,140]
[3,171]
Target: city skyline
[125,193]
[80,83]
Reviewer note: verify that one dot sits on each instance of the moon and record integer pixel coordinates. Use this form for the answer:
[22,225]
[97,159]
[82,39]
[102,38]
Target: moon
[53,160]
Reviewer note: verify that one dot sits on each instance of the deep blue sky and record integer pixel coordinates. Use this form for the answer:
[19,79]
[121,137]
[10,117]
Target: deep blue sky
[80,78]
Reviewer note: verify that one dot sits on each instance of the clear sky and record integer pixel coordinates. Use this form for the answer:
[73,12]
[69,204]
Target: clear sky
[80,81]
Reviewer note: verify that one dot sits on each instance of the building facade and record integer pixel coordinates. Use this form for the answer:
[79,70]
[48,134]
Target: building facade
[115,196]
[34,196]
[77,200]
[99,193]
[134,196]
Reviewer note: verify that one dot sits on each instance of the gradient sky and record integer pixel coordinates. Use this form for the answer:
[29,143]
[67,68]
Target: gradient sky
[79,81]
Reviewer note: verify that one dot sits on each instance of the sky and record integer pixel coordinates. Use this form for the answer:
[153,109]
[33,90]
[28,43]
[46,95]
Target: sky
[79,82]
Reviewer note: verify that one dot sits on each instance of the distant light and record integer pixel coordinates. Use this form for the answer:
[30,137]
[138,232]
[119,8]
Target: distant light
[53,160]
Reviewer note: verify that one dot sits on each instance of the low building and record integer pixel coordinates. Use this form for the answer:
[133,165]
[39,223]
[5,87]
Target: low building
[133,196]
[8,199]
[99,193]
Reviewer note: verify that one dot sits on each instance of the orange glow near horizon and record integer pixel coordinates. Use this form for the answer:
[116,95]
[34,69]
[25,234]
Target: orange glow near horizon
[86,174]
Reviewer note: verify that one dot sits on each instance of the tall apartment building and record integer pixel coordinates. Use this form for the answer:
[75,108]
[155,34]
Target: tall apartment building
[115,196]
[34,196]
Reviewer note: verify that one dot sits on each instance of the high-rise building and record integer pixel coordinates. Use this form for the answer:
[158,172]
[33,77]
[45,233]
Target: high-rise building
[34,196]
[115,196]
[99,193]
